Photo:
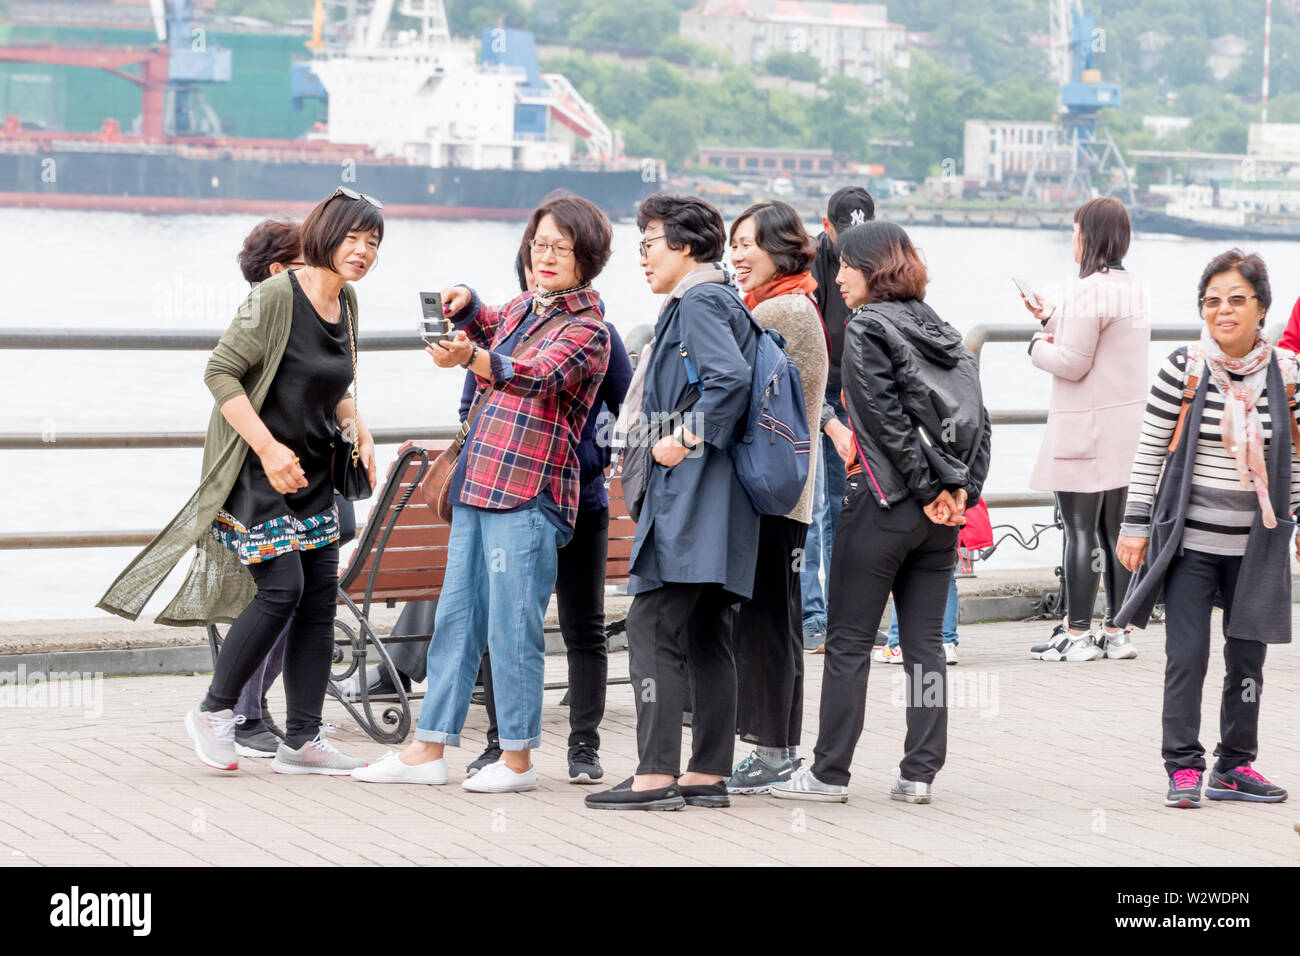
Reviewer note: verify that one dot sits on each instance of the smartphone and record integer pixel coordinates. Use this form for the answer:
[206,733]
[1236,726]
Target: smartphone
[1026,291]
[434,326]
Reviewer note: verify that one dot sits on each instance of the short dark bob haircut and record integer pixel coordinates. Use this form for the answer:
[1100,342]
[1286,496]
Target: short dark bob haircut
[883,253]
[688,221]
[1105,231]
[582,222]
[326,226]
[271,241]
[780,233]
[1252,269]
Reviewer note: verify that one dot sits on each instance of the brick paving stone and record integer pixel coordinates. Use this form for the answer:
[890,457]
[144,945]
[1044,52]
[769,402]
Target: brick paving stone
[1047,764]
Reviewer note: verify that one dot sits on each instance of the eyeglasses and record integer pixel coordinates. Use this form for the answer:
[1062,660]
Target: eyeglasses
[562,250]
[644,244]
[354,195]
[1211,303]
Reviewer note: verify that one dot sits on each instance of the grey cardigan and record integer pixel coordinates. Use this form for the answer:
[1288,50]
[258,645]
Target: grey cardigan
[796,318]
[1261,604]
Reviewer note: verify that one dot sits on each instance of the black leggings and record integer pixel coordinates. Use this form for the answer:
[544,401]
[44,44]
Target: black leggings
[298,589]
[1092,521]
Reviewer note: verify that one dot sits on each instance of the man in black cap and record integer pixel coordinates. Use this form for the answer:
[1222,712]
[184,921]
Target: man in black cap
[848,207]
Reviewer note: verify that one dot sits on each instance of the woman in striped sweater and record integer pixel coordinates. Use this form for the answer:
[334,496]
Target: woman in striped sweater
[1209,520]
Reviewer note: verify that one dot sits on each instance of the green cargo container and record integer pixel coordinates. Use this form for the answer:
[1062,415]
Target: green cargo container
[256,103]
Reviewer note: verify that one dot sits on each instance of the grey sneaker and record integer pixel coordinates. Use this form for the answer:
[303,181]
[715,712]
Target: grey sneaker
[315,756]
[814,636]
[213,733]
[756,775]
[910,791]
[802,785]
[259,743]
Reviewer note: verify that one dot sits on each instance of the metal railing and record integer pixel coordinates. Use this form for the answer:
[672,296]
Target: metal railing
[167,340]
[164,340]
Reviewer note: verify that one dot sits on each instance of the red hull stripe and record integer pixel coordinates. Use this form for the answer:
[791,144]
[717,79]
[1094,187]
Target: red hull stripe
[259,207]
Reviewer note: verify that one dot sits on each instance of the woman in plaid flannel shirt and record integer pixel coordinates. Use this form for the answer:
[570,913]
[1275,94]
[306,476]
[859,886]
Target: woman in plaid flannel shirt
[540,361]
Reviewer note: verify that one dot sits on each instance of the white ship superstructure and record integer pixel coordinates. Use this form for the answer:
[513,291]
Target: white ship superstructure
[421,96]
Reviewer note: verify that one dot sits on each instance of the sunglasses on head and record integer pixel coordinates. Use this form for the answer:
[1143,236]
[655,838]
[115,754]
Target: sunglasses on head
[353,194]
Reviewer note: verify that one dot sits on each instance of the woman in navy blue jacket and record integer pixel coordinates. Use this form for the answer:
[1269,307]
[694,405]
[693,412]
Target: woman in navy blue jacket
[697,533]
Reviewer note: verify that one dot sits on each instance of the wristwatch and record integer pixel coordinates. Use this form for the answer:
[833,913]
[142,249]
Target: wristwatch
[679,435]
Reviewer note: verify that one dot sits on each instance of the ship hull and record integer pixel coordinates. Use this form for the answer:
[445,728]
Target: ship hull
[1150,221]
[167,182]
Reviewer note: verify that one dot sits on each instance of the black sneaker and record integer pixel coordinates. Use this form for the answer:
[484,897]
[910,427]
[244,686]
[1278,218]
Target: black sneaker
[271,726]
[1240,783]
[1184,789]
[490,755]
[584,764]
[705,794]
[623,797]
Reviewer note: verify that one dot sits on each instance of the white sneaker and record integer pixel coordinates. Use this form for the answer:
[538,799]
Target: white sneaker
[909,791]
[949,653]
[390,769]
[1083,648]
[498,778]
[1119,647]
[884,654]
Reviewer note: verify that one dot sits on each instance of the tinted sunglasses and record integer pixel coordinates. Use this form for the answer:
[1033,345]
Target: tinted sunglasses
[353,194]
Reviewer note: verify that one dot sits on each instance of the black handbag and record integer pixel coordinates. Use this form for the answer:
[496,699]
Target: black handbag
[351,479]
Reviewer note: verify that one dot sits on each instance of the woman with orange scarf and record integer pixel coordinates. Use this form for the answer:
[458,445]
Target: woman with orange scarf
[772,253]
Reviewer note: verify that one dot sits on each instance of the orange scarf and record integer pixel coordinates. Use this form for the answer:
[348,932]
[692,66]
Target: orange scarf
[782,285]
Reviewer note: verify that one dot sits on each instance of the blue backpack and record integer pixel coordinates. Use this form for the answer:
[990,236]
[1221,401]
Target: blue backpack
[771,453]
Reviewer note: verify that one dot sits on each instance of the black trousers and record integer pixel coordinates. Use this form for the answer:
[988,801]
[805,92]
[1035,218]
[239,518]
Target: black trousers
[768,639]
[1092,521]
[580,601]
[1193,580]
[878,550]
[668,629]
[298,589]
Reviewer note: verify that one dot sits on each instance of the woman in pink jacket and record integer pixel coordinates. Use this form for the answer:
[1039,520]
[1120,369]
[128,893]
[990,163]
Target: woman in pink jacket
[1095,346]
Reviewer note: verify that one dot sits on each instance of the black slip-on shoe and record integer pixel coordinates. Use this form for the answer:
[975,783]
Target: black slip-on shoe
[623,797]
[705,794]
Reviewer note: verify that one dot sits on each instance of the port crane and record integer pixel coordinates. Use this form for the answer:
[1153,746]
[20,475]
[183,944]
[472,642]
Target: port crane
[1080,146]
[167,74]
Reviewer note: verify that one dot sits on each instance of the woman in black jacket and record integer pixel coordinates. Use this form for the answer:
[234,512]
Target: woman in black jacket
[922,435]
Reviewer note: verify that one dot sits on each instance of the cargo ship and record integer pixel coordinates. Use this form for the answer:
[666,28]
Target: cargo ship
[413,118]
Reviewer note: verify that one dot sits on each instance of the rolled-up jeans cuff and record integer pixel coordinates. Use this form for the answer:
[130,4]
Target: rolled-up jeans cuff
[437,737]
[532,743]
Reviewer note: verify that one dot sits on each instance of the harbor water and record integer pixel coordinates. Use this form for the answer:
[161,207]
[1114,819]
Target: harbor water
[130,271]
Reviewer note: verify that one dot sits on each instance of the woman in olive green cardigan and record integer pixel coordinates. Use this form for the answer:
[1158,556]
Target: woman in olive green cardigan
[262,521]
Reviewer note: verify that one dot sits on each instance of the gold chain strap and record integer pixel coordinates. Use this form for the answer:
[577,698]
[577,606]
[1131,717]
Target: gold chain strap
[356,404]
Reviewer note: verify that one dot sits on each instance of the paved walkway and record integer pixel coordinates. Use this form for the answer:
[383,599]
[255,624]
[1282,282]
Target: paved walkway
[1048,763]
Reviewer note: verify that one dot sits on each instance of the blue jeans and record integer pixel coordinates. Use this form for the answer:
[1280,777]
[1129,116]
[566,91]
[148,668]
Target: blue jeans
[494,594]
[810,582]
[828,498]
[949,616]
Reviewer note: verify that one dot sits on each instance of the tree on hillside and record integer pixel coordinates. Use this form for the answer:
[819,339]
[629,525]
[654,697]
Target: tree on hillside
[470,17]
[797,66]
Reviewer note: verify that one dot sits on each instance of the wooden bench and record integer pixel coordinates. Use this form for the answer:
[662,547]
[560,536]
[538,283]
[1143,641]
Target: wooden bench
[401,556]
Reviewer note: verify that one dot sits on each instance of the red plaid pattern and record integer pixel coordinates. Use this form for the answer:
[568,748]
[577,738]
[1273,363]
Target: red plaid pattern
[526,436]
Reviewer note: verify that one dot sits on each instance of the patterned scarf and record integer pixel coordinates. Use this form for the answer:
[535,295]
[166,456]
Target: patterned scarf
[1242,432]
[543,300]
